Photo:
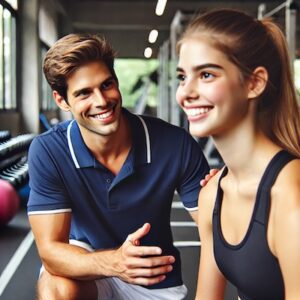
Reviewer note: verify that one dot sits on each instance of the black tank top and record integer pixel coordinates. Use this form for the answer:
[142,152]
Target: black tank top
[250,265]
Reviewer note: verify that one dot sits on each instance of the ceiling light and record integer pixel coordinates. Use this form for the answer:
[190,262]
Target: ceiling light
[160,7]
[148,52]
[153,36]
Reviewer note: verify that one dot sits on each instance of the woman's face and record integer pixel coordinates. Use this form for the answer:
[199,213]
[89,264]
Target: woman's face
[210,90]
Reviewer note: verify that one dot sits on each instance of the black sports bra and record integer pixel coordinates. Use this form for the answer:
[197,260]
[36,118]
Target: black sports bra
[250,265]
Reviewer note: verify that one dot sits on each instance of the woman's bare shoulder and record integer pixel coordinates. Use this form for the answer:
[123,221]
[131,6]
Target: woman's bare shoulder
[286,190]
[208,193]
[289,177]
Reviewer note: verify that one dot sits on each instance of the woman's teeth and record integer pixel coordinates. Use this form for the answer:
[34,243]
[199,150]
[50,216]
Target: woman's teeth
[197,111]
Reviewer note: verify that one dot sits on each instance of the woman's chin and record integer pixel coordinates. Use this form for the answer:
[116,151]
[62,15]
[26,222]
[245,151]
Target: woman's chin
[198,132]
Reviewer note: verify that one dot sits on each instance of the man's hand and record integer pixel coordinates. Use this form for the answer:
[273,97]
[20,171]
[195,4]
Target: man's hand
[141,265]
[207,177]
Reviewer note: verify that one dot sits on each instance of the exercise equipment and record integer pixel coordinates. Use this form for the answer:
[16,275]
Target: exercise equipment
[9,202]
[4,135]
[13,160]
[290,8]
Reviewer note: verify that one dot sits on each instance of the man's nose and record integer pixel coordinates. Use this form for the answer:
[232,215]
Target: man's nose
[100,98]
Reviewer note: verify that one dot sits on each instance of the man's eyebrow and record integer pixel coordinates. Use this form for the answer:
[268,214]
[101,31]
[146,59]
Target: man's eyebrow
[200,67]
[87,89]
[78,92]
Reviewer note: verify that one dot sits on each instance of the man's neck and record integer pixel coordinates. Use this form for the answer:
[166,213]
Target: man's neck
[112,151]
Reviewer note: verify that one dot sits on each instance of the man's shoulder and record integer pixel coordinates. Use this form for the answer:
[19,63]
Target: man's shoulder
[50,137]
[55,131]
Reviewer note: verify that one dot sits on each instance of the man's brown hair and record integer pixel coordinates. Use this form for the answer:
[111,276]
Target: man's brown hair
[70,53]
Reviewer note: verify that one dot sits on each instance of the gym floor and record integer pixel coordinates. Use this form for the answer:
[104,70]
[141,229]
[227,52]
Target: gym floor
[20,264]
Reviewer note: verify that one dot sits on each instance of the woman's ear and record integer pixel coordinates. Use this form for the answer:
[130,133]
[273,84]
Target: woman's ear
[257,82]
[60,101]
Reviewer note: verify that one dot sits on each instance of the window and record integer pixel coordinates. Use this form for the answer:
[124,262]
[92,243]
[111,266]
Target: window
[8,98]
[47,102]
[13,3]
[137,79]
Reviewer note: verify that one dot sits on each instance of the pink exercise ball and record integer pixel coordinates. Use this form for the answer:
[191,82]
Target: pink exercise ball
[9,202]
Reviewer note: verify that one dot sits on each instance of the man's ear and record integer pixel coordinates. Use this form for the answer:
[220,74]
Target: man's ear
[60,101]
[257,82]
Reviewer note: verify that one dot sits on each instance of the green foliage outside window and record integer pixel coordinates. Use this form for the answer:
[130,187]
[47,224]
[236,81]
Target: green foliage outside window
[133,74]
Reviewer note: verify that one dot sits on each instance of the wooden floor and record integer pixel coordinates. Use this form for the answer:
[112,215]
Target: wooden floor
[19,262]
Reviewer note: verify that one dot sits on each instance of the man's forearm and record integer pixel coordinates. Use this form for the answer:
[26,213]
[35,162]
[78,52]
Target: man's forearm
[131,262]
[74,262]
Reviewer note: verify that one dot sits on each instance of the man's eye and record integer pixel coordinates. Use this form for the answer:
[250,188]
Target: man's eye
[106,85]
[83,93]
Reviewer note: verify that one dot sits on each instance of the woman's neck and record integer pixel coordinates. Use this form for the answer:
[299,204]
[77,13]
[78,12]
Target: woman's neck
[245,151]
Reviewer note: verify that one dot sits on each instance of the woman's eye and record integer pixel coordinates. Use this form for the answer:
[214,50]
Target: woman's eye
[206,75]
[180,77]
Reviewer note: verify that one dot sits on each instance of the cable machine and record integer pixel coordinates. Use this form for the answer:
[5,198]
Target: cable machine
[290,22]
[168,108]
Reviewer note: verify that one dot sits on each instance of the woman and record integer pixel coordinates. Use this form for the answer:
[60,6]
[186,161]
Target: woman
[235,84]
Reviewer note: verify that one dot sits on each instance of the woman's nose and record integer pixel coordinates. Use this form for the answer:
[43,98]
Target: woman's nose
[190,90]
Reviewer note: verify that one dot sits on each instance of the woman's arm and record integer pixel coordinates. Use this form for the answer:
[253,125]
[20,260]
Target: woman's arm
[211,283]
[286,237]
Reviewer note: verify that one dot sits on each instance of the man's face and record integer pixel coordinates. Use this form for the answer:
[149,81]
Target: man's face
[94,99]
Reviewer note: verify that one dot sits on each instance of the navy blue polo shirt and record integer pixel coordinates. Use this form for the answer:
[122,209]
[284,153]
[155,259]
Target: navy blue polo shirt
[66,177]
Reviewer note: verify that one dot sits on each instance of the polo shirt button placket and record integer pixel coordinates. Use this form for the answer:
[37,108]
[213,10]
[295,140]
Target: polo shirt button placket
[111,202]
[108,182]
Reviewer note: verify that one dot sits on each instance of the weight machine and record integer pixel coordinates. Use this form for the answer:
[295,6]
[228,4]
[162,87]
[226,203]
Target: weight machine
[168,108]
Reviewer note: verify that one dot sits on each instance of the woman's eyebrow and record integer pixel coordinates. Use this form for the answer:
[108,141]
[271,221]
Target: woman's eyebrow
[200,67]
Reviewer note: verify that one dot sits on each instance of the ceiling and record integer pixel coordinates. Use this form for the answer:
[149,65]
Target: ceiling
[126,24]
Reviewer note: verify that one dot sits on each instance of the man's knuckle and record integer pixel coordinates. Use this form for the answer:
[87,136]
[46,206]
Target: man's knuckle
[150,264]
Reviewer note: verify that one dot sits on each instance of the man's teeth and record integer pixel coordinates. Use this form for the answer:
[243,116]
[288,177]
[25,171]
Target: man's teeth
[103,116]
[198,111]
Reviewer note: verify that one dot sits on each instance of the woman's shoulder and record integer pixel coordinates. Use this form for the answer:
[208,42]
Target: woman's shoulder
[289,177]
[208,194]
[285,196]
[286,190]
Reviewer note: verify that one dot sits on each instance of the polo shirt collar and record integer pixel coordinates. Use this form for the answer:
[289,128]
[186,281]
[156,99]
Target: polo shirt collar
[139,154]
[81,155]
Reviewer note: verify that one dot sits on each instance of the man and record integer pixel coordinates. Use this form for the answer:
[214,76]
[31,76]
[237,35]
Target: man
[102,185]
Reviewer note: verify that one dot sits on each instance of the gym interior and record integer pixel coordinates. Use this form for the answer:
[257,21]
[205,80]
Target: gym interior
[145,43]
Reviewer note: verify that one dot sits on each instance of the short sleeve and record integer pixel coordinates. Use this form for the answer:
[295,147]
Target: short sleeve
[47,191]
[194,167]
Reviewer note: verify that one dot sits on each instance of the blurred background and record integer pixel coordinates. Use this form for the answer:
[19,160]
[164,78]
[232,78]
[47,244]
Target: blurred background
[144,34]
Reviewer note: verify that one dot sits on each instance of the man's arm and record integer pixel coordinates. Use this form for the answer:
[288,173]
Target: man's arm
[208,176]
[130,262]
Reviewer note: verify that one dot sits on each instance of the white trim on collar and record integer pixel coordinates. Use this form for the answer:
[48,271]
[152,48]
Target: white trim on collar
[147,139]
[73,153]
[71,146]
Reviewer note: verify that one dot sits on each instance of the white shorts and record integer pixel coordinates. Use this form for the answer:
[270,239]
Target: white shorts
[113,288]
